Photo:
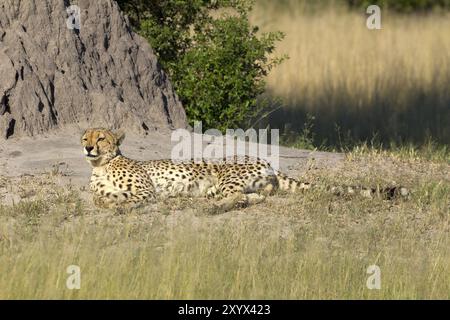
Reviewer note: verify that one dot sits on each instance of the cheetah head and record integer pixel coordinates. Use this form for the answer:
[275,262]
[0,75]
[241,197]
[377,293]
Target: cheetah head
[101,145]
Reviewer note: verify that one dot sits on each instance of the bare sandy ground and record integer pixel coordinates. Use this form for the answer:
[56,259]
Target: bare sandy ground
[60,155]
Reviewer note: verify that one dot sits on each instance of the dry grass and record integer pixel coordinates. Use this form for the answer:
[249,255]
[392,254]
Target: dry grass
[300,246]
[313,245]
[392,82]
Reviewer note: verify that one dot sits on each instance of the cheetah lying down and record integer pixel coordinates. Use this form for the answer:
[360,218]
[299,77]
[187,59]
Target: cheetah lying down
[120,182]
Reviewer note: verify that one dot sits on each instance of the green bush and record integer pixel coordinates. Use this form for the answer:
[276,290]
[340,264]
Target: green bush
[216,59]
[403,5]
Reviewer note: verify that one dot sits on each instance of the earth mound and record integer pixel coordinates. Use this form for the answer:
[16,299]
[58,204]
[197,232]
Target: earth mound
[62,64]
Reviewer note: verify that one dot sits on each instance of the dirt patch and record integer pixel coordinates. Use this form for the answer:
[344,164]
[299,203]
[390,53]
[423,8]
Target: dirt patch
[60,155]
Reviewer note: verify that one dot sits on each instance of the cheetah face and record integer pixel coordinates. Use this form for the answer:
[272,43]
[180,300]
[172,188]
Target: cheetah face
[101,145]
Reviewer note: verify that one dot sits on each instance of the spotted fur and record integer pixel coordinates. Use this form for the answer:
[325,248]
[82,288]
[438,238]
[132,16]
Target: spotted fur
[118,181]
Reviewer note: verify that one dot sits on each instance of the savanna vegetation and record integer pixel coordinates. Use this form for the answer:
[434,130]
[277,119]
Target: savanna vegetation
[313,245]
[216,59]
[343,87]
[309,68]
[344,84]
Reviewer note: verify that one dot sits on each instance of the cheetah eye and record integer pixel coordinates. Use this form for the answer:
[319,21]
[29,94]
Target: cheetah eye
[84,139]
[100,139]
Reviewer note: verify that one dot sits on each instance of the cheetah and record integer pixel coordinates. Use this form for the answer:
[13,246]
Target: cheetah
[120,182]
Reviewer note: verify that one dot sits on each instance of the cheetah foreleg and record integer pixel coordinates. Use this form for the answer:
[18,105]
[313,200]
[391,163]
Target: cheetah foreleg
[124,200]
[237,200]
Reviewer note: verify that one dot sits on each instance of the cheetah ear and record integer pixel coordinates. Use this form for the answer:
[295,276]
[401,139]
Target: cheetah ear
[120,135]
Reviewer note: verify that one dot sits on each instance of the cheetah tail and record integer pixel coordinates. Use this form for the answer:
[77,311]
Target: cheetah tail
[290,184]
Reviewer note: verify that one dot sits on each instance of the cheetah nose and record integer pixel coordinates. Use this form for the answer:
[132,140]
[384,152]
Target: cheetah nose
[89,149]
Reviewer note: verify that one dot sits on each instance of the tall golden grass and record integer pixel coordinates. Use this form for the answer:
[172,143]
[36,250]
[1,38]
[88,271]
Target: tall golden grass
[293,246]
[392,82]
